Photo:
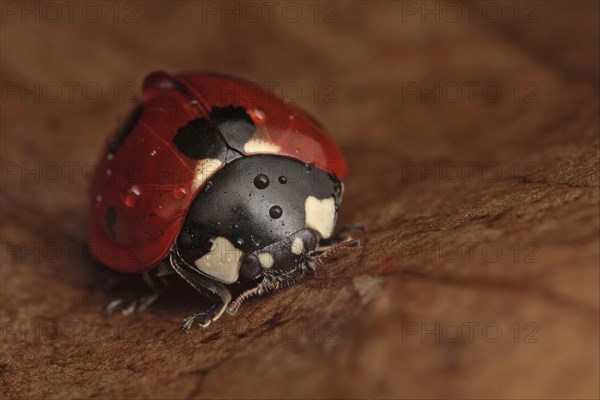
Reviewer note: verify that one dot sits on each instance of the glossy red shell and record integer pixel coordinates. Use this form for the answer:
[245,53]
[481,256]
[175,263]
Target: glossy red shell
[144,189]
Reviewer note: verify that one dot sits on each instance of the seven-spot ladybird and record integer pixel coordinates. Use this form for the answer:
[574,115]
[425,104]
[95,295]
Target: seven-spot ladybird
[219,181]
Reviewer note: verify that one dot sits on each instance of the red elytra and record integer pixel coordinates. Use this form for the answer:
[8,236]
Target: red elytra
[146,187]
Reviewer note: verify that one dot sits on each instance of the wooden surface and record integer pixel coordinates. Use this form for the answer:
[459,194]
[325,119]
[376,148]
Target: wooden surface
[478,277]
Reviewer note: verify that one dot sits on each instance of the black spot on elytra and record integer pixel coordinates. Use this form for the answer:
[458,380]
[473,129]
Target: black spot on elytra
[111,220]
[199,140]
[125,129]
[234,123]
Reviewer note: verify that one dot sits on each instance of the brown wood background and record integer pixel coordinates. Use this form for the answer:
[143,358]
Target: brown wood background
[482,286]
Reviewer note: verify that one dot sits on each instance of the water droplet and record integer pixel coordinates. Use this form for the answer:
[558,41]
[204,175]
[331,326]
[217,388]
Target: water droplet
[208,185]
[180,192]
[283,180]
[98,199]
[153,153]
[258,116]
[109,172]
[239,242]
[275,212]
[291,116]
[131,196]
[261,181]
[109,156]
[297,150]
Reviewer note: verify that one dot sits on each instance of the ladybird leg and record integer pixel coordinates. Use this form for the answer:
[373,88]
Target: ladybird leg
[325,250]
[351,227]
[130,306]
[342,234]
[144,302]
[339,238]
[203,318]
[113,306]
[139,304]
[205,286]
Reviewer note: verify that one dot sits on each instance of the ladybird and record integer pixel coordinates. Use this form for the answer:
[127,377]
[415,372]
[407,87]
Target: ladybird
[218,181]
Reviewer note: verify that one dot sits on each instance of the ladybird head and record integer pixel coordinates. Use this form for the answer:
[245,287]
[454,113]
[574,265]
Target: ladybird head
[280,258]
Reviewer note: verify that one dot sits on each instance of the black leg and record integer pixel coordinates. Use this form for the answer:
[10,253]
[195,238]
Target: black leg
[205,286]
[330,247]
[341,236]
[139,304]
[351,227]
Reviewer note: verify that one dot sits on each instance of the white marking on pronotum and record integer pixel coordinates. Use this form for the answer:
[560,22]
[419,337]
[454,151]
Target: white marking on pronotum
[222,262]
[258,145]
[297,246]
[204,169]
[266,260]
[320,215]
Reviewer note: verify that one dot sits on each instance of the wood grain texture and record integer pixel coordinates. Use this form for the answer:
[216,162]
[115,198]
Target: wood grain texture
[478,275]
